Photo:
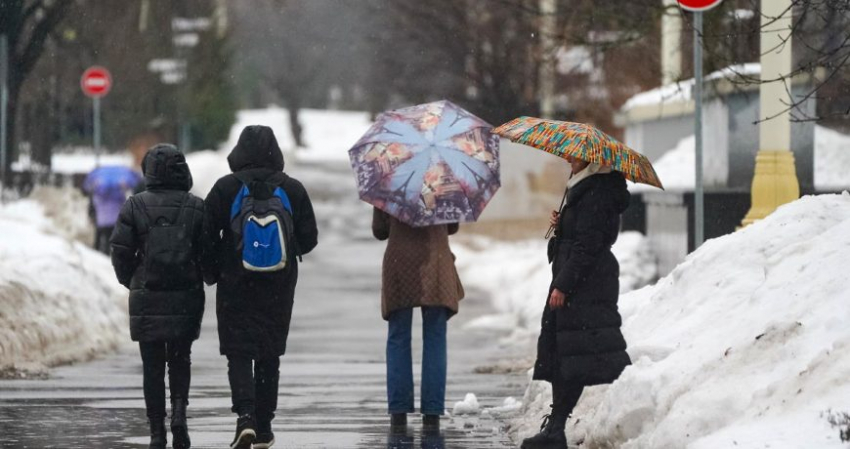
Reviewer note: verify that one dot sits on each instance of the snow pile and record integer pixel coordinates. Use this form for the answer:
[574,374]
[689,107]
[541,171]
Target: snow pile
[59,300]
[516,275]
[468,406]
[745,344]
[509,407]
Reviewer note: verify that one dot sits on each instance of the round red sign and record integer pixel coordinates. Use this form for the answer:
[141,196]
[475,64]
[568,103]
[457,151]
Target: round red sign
[698,5]
[96,82]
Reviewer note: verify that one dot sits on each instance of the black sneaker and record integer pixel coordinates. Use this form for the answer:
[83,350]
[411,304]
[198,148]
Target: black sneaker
[265,436]
[245,433]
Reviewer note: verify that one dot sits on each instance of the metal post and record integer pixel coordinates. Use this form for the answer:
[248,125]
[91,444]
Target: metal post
[4,104]
[97,131]
[699,211]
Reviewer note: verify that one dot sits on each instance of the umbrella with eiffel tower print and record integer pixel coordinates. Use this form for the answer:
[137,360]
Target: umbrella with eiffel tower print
[429,164]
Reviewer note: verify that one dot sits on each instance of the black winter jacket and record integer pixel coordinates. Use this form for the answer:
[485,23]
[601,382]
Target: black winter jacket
[254,309]
[582,342]
[157,314]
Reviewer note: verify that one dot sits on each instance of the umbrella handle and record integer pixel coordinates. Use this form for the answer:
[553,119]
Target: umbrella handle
[563,201]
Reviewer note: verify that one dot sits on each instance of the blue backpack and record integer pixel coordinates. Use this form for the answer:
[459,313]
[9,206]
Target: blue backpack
[262,223]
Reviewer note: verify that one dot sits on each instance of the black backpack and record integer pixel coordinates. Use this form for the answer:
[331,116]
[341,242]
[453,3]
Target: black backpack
[169,251]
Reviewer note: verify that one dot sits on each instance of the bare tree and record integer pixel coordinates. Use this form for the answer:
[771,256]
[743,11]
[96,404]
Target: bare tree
[28,25]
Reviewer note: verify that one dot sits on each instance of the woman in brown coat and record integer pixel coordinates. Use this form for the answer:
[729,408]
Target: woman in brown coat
[418,271]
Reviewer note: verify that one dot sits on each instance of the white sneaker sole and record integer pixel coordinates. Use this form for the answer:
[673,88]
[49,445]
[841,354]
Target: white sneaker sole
[245,439]
[264,445]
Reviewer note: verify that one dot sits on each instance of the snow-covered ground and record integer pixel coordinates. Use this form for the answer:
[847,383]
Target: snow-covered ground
[745,344]
[60,300]
[832,163]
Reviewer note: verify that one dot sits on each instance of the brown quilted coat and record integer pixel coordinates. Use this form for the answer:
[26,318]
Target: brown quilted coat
[419,268]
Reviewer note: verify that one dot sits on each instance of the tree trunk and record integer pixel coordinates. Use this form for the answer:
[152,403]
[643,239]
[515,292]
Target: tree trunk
[293,104]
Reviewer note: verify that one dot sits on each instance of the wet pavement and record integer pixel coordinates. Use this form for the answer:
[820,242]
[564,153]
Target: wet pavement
[332,383]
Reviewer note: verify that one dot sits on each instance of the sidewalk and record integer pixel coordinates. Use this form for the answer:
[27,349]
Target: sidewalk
[332,385]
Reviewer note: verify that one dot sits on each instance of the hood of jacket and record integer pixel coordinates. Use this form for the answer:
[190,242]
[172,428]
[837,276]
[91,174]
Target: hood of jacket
[165,168]
[256,148]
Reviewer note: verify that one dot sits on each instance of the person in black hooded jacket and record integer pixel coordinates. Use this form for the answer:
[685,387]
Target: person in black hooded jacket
[580,341]
[254,309]
[156,253]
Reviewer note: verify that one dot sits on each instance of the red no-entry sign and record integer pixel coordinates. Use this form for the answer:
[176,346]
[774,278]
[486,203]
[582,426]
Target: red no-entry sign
[96,82]
[698,5]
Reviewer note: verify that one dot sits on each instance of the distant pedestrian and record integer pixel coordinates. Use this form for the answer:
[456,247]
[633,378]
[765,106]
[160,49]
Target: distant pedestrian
[580,342]
[108,188]
[156,253]
[418,271]
[258,222]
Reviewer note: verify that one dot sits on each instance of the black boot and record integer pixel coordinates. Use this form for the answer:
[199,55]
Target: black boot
[265,436]
[431,423]
[179,429]
[551,434]
[398,422]
[158,439]
[245,432]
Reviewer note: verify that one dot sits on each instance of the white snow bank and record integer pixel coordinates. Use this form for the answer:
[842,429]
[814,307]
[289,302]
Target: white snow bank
[745,344]
[516,275]
[59,300]
[676,168]
[468,406]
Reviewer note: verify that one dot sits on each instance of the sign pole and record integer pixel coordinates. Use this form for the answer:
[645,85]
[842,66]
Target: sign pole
[96,101]
[699,206]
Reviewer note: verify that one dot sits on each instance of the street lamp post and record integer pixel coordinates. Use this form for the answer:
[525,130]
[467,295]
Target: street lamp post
[775,179]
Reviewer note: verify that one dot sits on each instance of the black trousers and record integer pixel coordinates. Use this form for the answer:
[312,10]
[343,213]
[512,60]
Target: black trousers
[565,397]
[155,356]
[254,386]
[101,238]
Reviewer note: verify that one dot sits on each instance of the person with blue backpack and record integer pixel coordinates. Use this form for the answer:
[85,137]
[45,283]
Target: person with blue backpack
[157,252]
[258,222]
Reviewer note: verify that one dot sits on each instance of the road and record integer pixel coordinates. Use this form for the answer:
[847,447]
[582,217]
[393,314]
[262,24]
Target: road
[332,384]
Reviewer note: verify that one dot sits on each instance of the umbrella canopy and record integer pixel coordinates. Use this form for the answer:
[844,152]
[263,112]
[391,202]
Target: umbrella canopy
[580,141]
[111,178]
[428,164]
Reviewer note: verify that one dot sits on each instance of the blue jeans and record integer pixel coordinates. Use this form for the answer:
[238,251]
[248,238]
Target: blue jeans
[400,361]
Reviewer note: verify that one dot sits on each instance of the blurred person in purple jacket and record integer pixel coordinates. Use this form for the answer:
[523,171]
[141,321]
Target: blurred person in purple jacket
[108,187]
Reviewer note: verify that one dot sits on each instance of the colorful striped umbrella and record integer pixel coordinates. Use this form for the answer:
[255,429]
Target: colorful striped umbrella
[429,164]
[580,141]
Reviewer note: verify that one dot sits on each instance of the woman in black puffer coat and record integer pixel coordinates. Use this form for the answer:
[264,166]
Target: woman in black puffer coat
[156,253]
[580,342]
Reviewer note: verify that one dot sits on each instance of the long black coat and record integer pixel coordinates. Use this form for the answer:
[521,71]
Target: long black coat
[582,342]
[160,315]
[253,309]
